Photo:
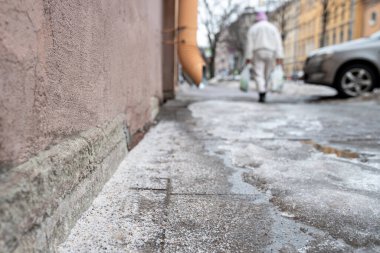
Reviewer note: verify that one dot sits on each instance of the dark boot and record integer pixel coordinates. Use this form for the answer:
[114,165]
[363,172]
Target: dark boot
[262,97]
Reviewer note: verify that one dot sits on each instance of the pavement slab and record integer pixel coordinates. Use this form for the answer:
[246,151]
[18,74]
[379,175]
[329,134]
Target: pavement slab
[217,223]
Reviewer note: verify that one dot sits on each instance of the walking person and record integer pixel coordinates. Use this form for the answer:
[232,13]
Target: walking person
[264,50]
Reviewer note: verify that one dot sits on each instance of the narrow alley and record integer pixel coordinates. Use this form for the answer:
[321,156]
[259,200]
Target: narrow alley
[221,173]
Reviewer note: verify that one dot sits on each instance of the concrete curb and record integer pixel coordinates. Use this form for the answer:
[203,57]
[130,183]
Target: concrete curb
[41,199]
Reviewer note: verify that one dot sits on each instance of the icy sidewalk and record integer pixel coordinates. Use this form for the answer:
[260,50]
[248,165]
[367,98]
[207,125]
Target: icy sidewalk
[169,196]
[182,189]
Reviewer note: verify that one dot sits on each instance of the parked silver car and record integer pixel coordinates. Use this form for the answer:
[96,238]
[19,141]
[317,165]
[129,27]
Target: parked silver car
[351,68]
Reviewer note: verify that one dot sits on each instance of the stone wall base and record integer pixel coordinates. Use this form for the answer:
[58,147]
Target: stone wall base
[41,199]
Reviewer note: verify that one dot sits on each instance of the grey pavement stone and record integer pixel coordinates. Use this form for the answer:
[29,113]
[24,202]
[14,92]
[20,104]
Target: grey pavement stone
[217,223]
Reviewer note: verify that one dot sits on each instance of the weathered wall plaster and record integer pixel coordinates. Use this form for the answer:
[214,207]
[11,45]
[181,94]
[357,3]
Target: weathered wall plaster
[68,65]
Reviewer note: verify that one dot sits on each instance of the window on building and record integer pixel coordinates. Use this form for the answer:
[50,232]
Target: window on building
[311,3]
[328,16]
[343,11]
[334,37]
[349,34]
[341,35]
[373,19]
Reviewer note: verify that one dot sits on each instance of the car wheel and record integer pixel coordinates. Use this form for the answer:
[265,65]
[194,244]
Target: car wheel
[355,80]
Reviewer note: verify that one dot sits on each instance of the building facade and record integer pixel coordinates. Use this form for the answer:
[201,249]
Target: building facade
[286,18]
[224,56]
[328,22]
[291,35]
[230,51]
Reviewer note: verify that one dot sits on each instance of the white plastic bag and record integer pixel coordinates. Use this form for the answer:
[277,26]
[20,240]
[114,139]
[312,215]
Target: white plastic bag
[277,79]
[245,77]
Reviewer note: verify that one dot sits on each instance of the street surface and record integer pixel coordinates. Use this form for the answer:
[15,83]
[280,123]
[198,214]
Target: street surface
[222,173]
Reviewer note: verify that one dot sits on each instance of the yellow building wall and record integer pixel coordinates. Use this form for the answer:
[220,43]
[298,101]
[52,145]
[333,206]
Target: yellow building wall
[338,28]
[347,20]
[308,29]
[359,20]
[290,42]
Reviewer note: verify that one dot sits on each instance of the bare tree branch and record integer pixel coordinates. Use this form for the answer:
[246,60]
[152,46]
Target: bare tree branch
[215,23]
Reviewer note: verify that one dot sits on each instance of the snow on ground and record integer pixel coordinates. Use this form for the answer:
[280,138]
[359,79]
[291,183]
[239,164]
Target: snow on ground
[336,194]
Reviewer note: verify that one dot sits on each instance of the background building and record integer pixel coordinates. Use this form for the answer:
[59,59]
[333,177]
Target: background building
[230,51]
[225,57]
[307,25]
[286,18]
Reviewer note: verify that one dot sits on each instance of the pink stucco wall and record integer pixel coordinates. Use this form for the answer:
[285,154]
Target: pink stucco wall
[68,65]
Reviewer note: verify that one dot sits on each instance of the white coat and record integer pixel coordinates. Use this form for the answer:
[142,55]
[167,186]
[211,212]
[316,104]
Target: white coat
[264,46]
[264,35]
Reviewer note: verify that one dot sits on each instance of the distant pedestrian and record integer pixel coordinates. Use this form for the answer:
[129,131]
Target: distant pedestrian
[264,50]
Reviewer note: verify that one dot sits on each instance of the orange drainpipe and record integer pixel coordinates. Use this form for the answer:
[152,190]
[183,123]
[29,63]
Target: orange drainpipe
[190,58]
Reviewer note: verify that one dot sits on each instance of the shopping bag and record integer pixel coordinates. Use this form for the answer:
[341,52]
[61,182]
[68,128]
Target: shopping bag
[245,77]
[277,79]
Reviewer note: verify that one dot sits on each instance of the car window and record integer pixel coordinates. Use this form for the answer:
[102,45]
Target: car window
[376,36]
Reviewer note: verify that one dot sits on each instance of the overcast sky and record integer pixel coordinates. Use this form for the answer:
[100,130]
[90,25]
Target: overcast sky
[202,34]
